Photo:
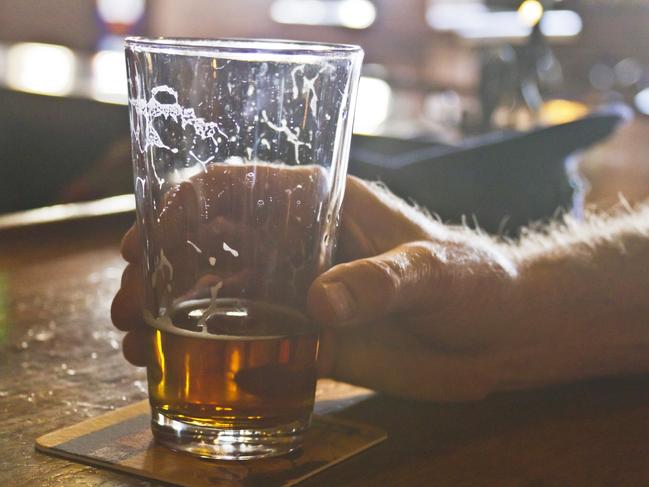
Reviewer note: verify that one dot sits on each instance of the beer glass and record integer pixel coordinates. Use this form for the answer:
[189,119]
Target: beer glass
[240,152]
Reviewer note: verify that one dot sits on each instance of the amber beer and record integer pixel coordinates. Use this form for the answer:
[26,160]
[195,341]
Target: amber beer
[240,152]
[234,357]
[252,368]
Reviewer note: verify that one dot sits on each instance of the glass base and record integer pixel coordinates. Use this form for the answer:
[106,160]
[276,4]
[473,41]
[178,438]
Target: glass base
[227,444]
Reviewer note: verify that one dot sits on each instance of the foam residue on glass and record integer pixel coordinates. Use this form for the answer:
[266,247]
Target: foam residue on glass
[223,208]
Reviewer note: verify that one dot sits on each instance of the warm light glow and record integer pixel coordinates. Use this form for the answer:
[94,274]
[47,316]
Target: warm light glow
[353,14]
[234,367]
[69,211]
[188,378]
[530,12]
[372,106]
[121,11]
[109,77]
[45,69]
[157,341]
[558,111]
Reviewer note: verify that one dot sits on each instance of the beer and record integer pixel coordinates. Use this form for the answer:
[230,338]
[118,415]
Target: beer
[239,154]
[246,366]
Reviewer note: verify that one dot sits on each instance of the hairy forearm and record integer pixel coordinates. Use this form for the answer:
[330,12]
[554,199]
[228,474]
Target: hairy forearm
[599,266]
[574,304]
[588,283]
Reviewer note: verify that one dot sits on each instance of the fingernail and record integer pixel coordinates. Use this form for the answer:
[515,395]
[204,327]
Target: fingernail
[340,300]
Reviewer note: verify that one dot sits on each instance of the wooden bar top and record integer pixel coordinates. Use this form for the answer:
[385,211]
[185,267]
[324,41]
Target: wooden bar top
[60,362]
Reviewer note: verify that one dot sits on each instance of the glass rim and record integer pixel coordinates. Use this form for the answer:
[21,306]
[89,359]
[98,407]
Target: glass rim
[234,47]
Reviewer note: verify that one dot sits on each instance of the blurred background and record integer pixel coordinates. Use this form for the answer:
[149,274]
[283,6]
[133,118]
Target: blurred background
[437,72]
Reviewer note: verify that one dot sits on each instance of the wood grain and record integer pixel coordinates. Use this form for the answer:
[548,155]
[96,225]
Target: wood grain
[60,363]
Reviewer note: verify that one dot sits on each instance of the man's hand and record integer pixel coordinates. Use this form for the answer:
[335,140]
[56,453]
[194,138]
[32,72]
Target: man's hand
[416,304]
[390,314]
[426,311]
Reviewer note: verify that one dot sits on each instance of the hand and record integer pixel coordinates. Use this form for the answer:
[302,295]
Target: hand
[426,311]
[431,312]
[406,315]
[418,308]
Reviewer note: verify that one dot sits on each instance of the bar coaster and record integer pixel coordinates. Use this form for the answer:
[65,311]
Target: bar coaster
[121,440]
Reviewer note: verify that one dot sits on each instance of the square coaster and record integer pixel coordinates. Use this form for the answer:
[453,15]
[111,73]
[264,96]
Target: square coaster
[122,440]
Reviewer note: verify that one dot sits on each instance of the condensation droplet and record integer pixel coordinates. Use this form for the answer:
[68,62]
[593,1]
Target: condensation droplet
[93,355]
[24,345]
[260,203]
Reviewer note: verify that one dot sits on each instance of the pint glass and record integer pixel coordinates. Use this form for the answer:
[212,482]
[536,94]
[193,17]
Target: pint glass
[240,152]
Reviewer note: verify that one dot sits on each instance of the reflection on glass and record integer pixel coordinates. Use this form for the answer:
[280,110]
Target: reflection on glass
[45,69]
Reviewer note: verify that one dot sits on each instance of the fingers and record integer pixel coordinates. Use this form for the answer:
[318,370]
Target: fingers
[126,309]
[130,247]
[367,289]
[137,345]
[390,361]
[374,221]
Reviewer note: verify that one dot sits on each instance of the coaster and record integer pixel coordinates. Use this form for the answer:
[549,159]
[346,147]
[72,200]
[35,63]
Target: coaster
[121,440]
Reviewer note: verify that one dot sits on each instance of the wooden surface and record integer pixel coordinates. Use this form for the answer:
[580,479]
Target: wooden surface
[122,440]
[60,363]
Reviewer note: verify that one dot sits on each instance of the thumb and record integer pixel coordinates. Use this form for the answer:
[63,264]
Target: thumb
[362,290]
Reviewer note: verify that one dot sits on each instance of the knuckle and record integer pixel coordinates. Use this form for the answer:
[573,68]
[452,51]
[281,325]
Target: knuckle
[381,273]
[116,314]
[127,275]
[426,252]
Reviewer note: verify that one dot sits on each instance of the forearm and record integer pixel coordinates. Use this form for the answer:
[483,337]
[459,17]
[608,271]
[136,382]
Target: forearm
[587,282]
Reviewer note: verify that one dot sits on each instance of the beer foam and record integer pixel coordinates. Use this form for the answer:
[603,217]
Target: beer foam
[153,108]
[234,308]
